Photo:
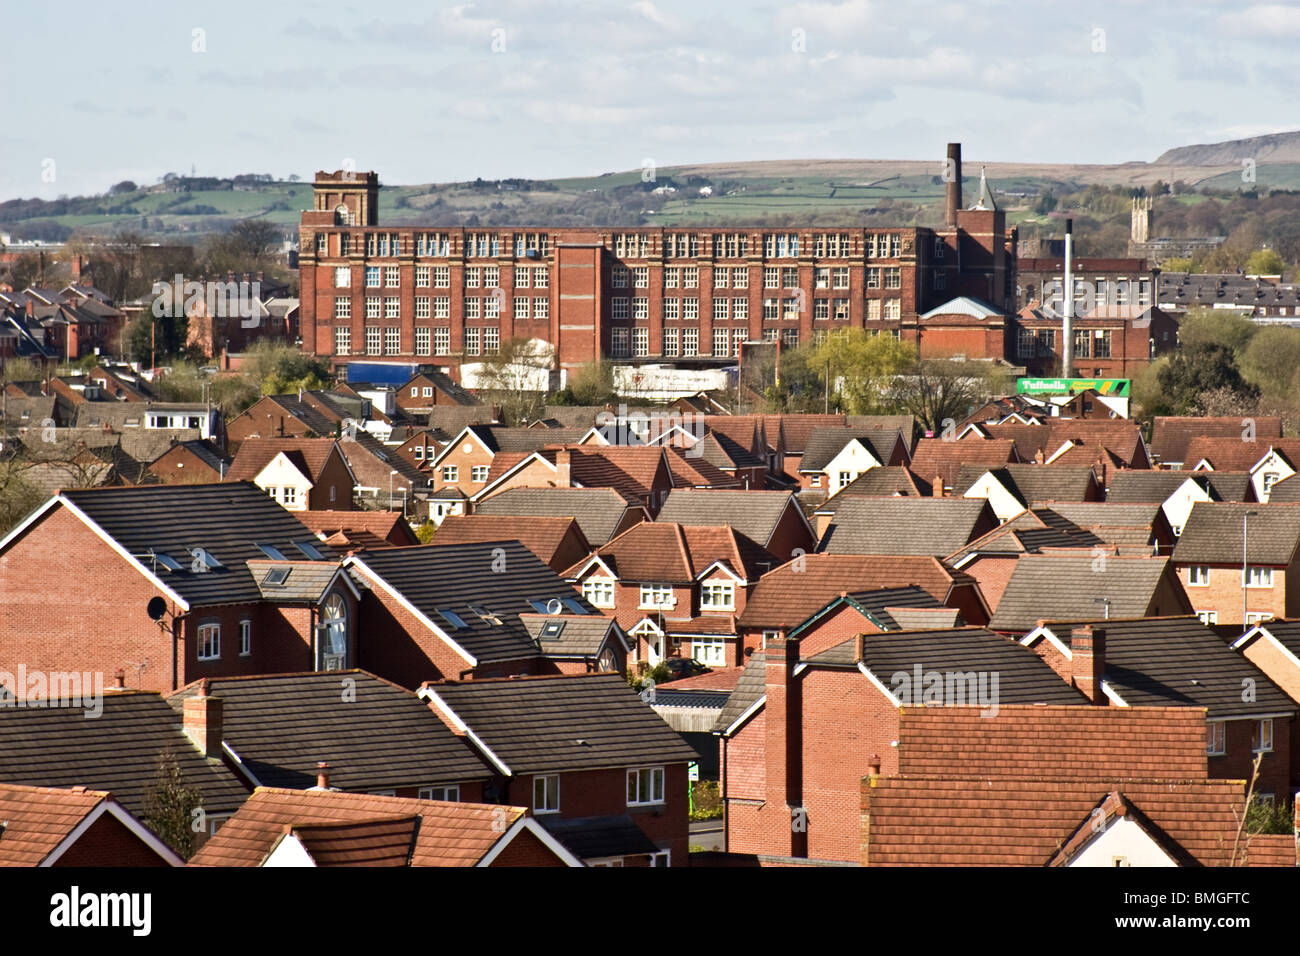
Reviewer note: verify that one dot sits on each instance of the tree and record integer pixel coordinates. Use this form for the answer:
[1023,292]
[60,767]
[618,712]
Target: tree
[593,383]
[1196,370]
[1265,262]
[169,806]
[1216,327]
[125,186]
[938,391]
[860,367]
[509,379]
[1271,358]
[1176,265]
[424,534]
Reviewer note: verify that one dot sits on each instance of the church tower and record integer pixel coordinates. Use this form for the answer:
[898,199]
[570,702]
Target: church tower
[1140,231]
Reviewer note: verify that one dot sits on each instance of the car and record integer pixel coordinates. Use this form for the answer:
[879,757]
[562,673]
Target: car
[679,667]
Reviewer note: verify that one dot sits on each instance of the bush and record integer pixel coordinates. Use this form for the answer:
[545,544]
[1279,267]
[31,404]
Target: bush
[707,797]
[1263,817]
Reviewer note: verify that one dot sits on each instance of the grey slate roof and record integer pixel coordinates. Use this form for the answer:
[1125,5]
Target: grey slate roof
[933,526]
[580,635]
[874,603]
[373,734]
[456,576]
[884,482]
[1033,483]
[1212,533]
[1023,676]
[755,514]
[306,582]
[597,510]
[1124,524]
[557,724]
[591,838]
[825,443]
[1069,587]
[1130,486]
[751,687]
[1171,661]
[1287,634]
[117,751]
[226,520]
[1286,491]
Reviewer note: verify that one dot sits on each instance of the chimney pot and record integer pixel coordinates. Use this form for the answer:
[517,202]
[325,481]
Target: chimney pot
[323,775]
[120,678]
[937,486]
[873,765]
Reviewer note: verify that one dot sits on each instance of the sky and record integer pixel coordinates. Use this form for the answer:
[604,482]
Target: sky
[96,93]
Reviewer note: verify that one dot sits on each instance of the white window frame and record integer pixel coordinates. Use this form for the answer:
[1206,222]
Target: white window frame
[655,596]
[1263,744]
[718,596]
[643,783]
[451,473]
[479,473]
[447,794]
[545,779]
[598,591]
[1216,737]
[716,648]
[1258,576]
[1198,576]
[245,637]
[209,639]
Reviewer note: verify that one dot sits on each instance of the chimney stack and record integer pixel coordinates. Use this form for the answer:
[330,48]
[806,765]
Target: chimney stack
[952,169]
[784,745]
[936,486]
[859,647]
[1088,661]
[563,469]
[322,776]
[873,765]
[120,678]
[201,720]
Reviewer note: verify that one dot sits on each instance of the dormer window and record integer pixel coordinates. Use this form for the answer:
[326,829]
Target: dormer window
[598,591]
[656,596]
[718,596]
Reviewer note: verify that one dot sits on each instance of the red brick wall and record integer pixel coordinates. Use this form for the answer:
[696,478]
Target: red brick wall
[842,624]
[1223,593]
[993,574]
[526,850]
[791,533]
[108,842]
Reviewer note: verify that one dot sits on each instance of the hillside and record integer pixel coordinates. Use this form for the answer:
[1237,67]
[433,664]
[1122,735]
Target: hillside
[1272,149]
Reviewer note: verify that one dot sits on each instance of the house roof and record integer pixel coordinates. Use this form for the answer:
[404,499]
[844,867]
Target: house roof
[941,457]
[879,605]
[787,596]
[37,822]
[825,443]
[449,834]
[753,513]
[227,520]
[444,384]
[309,455]
[365,526]
[1032,483]
[1286,491]
[1178,661]
[1212,533]
[569,636]
[592,838]
[1028,532]
[965,305]
[304,583]
[918,526]
[1287,634]
[500,577]
[1121,437]
[117,751]
[990,821]
[1115,523]
[371,462]
[560,724]
[598,511]
[696,471]
[1078,743]
[1141,485]
[797,430]
[1170,435]
[1023,676]
[884,482]
[1062,586]
[374,734]
[679,554]
[541,535]
[1233,454]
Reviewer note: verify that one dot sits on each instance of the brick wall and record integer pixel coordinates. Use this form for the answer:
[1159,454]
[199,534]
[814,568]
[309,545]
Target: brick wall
[1223,594]
[108,842]
[526,850]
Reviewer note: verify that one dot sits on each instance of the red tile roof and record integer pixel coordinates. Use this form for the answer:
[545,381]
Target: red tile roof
[936,456]
[361,526]
[677,554]
[1233,454]
[450,834]
[1171,435]
[542,536]
[256,453]
[35,820]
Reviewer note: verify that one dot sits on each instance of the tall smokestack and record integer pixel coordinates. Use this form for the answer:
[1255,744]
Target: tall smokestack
[1067,320]
[952,169]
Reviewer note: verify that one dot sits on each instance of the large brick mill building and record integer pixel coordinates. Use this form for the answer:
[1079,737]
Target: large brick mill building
[690,295]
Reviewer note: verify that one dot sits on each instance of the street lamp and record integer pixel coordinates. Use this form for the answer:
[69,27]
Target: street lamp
[1244,518]
[1105,601]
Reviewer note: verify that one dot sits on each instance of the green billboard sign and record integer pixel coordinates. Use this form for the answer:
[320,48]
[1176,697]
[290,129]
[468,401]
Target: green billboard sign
[1068,386]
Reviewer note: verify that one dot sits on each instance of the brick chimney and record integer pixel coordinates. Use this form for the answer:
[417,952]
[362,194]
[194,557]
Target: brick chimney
[784,747]
[953,197]
[322,776]
[563,469]
[936,486]
[1088,661]
[201,721]
[859,647]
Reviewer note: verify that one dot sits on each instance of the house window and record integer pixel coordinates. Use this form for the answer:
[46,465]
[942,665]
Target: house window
[450,473]
[1254,617]
[419,452]
[421,340]
[618,339]
[541,308]
[449,794]
[209,642]
[392,341]
[546,794]
[342,277]
[645,786]
[289,495]
[245,637]
[816,481]
[1198,575]
[1214,737]
[428,391]
[846,477]
[342,340]
[442,341]
[441,306]
[672,342]
[1259,577]
[598,592]
[422,310]
[478,473]
[491,341]
[656,596]
[709,651]
[1261,741]
[640,341]
[718,596]
[372,277]
[442,277]
[1208,617]
[391,279]
[1270,479]
[373,334]
[373,306]
[472,346]
[690,341]
[770,636]
[422,274]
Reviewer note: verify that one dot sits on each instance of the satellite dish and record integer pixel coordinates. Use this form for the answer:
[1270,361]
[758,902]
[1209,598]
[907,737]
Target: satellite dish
[156,608]
[553,606]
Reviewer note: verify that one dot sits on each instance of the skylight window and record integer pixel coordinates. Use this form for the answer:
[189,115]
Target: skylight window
[276,577]
[452,618]
[552,630]
[309,549]
[207,558]
[171,564]
[573,605]
[484,614]
[272,552]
